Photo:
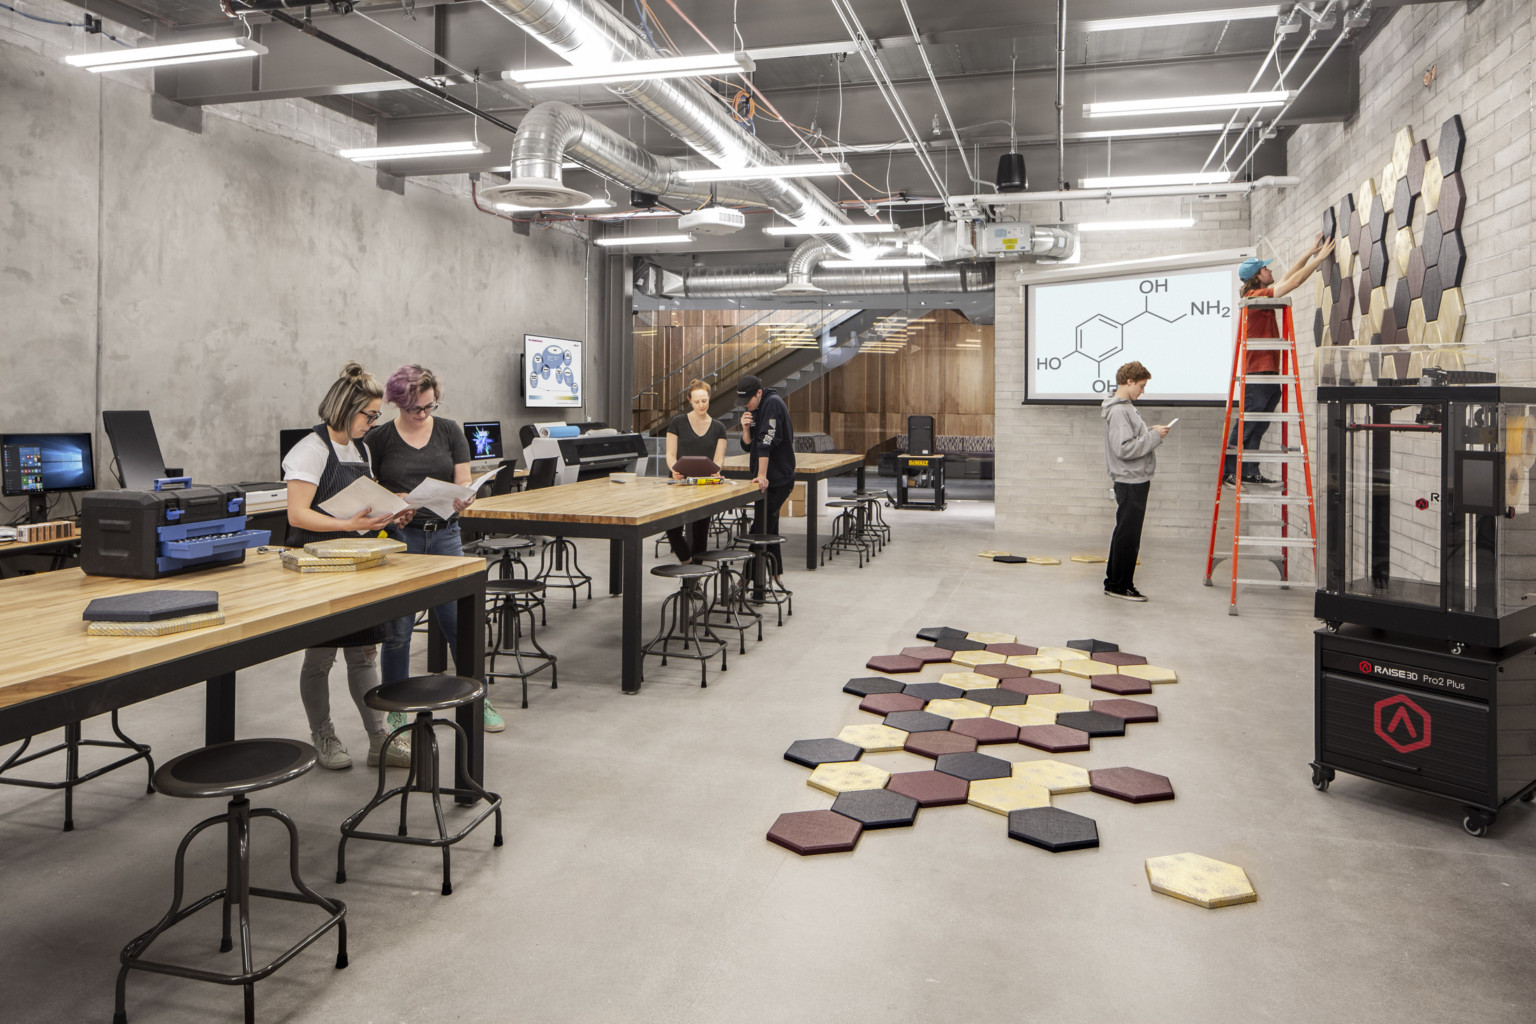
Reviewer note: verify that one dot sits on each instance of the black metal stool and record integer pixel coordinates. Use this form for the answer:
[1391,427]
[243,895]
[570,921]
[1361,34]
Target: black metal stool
[513,599]
[421,696]
[560,570]
[847,532]
[765,589]
[683,619]
[507,553]
[72,777]
[874,517]
[233,770]
[729,608]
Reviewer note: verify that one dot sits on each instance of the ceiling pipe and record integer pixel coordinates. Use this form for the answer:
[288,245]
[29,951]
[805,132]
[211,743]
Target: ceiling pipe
[808,255]
[757,283]
[1061,94]
[1234,188]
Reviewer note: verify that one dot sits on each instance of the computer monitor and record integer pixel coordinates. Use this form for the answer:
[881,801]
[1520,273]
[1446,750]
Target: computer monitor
[37,465]
[484,440]
[286,439]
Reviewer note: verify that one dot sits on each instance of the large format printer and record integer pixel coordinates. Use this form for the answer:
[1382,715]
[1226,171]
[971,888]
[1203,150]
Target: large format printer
[584,450]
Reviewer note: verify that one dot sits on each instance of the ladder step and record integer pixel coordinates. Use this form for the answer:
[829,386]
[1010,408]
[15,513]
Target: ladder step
[1276,542]
[1268,378]
[1268,344]
[1276,499]
[1264,302]
[1271,417]
[1269,583]
[1267,454]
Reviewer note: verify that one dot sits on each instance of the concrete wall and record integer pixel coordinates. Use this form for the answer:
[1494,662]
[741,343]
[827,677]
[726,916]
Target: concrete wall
[222,279]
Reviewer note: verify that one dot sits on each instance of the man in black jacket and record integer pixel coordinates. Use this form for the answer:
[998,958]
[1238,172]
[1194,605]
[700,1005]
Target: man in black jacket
[769,440]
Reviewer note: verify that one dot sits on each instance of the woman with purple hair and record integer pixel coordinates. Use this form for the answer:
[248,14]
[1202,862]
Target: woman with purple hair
[408,449]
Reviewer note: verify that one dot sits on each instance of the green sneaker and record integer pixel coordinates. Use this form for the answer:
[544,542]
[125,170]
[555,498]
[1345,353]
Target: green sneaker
[396,720]
[493,720]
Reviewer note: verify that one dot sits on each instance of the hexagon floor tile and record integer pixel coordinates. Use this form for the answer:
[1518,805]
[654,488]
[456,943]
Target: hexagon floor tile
[1030,685]
[1056,776]
[933,634]
[926,655]
[1059,702]
[1093,647]
[963,708]
[811,832]
[974,658]
[1120,658]
[876,808]
[885,703]
[986,730]
[1201,880]
[992,638]
[873,737]
[1004,795]
[894,663]
[930,789]
[1061,654]
[1118,683]
[996,698]
[1086,668]
[1130,784]
[1094,723]
[1011,559]
[1011,649]
[866,685]
[1024,714]
[933,744]
[1005,670]
[916,721]
[1053,829]
[1129,710]
[933,691]
[811,753]
[1057,739]
[1151,673]
[973,766]
[846,776]
[957,644]
[1036,662]
[970,680]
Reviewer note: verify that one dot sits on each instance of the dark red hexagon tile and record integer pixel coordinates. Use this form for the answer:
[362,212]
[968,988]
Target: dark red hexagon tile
[1055,738]
[1388,324]
[1346,333]
[1011,650]
[930,789]
[866,685]
[1029,687]
[1130,711]
[1130,784]
[926,655]
[1363,292]
[986,730]
[893,663]
[1119,684]
[1415,272]
[932,744]
[1000,670]
[1120,658]
[810,832]
[885,703]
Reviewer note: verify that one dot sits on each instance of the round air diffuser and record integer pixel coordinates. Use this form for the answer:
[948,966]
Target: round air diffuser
[799,288]
[534,193]
[1010,173]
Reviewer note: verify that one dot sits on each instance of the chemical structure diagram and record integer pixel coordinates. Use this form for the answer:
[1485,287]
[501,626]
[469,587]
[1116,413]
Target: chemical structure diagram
[1098,338]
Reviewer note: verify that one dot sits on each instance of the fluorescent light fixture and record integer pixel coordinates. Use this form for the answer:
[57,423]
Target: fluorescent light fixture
[1136,133]
[171,53]
[419,151]
[633,70]
[645,240]
[897,261]
[600,203]
[776,171]
[1137,225]
[1177,104]
[802,50]
[1181,18]
[831,229]
[1142,180]
[634,215]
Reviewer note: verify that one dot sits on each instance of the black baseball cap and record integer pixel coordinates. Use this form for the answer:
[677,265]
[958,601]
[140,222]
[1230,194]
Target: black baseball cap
[748,386]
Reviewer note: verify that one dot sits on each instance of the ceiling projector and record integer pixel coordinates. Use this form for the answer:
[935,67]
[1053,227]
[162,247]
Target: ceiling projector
[713,220]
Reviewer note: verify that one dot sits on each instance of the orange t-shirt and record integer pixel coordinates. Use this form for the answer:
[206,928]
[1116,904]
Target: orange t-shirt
[1261,324]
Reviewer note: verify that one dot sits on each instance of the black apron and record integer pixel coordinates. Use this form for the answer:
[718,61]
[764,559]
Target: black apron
[334,479]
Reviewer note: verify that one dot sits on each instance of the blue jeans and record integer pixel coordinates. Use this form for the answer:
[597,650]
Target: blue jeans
[1256,398]
[395,658]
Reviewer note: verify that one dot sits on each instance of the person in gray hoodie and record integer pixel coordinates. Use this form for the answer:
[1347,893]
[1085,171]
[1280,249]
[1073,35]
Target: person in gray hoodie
[1129,445]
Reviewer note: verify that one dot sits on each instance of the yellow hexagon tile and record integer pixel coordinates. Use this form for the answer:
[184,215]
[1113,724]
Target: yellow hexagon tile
[1057,702]
[1378,307]
[846,776]
[1151,673]
[1327,304]
[1432,335]
[974,658]
[1061,654]
[1003,795]
[1327,336]
[1085,668]
[1043,560]
[1363,196]
[1025,714]
[874,737]
[1416,322]
[991,554]
[1198,879]
[1056,776]
[1387,187]
[959,708]
[1089,559]
[1453,316]
[969,680]
[1402,247]
[1433,179]
[1035,662]
[992,638]
[1345,254]
[1317,281]
[1402,145]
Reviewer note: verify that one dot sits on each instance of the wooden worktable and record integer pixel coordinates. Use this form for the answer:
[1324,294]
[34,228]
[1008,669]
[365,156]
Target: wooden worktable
[811,467]
[622,513]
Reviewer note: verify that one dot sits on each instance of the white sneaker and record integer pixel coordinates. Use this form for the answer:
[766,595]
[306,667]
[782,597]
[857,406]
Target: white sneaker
[331,754]
[398,756]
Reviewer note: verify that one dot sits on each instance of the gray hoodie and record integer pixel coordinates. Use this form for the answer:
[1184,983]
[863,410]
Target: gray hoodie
[1128,442]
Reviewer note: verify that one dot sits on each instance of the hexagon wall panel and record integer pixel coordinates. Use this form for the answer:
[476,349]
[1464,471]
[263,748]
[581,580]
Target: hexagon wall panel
[1453,141]
[1131,784]
[893,663]
[973,766]
[1094,723]
[1056,776]
[974,658]
[1058,739]
[970,680]
[1376,220]
[926,655]
[1200,880]
[916,721]
[992,638]
[847,776]
[997,698]
[986,730]
[876,808]
[1363,293]
[1453,316]
[1030,686]
[1416,321]
[1430,243]
[1386,187]
[931,691]
[1035,662]
[812,832]
[1402,245]
[1053,829]
[885,703]
[1402,203]
[1004,795]
[933,744]
[1020,715]
[957,709]
[1378,301]
[1416,272]
[1129,711]
[1432,181]
[867,685]
[1059,702]
[1453,258]
[1402,143]
[1342,259]
[1120,658]
[1364,194]
[1011,650]
[1388,330]
[1430,294]
[1086,668]
[1005,670]
[1120,684]
[1418,156]
[933,634]
[929,789]
[1380,263]
[876,738]
[1151,673]
[811,753]
[1330,223]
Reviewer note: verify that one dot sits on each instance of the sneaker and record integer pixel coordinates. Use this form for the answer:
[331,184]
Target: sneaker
[330,753]
[395,720]
[398,755]
[1128,594]
[1259,479]
[493,720]
[1230,480]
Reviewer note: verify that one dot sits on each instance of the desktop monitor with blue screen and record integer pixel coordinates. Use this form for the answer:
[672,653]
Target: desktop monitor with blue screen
[484,440]
[37,465]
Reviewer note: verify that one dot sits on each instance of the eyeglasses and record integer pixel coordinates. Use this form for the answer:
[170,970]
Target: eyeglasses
[424,410]
[371,417]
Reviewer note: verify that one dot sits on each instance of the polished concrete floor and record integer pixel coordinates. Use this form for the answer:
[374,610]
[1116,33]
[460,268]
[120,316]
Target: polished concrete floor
[636,883]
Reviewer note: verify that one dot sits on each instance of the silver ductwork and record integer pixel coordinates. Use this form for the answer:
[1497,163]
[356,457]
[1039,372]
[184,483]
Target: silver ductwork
[760,283]
[805,259]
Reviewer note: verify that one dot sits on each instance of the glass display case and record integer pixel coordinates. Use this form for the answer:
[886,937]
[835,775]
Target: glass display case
[1428,521]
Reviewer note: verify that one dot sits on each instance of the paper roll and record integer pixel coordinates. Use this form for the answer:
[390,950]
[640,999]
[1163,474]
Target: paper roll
[1517,488]
[562,430]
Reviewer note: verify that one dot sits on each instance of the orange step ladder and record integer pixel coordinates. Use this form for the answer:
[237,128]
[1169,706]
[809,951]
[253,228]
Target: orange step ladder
[1289,413]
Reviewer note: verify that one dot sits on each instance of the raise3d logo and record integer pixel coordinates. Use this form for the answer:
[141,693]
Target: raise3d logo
[1402,724]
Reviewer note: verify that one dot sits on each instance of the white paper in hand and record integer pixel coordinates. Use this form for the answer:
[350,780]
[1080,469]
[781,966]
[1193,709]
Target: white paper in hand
[361,494]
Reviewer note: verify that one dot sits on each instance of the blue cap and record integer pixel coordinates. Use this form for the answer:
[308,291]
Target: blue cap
[1252,265]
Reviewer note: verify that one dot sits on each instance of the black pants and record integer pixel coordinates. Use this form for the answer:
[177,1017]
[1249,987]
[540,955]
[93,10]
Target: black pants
[697,539]
[765,519]
[1256,398]
[1125,545]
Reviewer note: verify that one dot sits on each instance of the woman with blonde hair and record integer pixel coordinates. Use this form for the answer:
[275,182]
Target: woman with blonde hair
[693,433]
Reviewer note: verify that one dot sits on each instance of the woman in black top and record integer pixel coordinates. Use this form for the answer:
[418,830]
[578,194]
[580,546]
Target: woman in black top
[693,433]
[407,450]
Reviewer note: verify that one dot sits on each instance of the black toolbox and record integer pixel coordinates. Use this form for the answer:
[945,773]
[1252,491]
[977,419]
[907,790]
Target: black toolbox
[149,534]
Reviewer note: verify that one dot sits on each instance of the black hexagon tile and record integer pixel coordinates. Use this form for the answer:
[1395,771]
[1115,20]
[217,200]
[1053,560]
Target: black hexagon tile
[1453,259]
[1403,202]
[1416,272]
[1431,292]
[866,685]
[933,634]
[997,698]
[876,808]
[1376,220]
[973,766]
[1053,829]
[916,721]
[1094,647]
[1380,264]
[958,643]
[1094,723]
[1430,243]
[1402,298]
[1330,223]
[811,753]
[1363,292]
[1418,156]
[1453,200]
[1453,141]
[933,691]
